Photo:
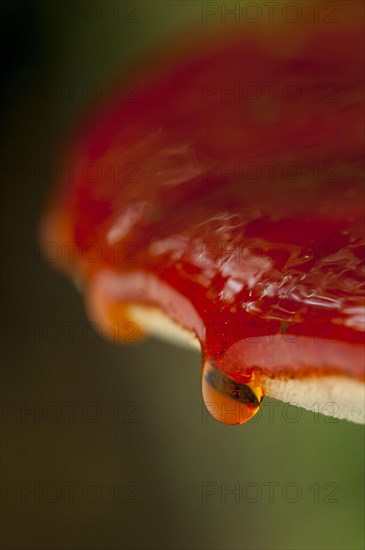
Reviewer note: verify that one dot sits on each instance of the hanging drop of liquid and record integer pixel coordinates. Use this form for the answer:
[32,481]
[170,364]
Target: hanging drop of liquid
[228,401]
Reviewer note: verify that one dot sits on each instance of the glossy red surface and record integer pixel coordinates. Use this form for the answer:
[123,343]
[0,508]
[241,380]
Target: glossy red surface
[226,189]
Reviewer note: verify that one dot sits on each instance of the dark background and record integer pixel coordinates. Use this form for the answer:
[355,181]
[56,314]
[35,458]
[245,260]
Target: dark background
[138,423]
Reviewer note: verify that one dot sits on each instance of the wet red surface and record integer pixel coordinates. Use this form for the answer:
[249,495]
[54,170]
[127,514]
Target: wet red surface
[226,188]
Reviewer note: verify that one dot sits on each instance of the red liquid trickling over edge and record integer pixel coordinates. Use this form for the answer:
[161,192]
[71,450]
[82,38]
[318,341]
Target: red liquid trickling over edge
[264,265]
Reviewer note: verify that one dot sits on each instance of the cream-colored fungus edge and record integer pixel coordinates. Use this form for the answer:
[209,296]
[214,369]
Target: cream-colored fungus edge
[335,396]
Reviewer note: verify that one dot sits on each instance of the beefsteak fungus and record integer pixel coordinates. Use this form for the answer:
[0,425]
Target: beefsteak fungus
[218,201]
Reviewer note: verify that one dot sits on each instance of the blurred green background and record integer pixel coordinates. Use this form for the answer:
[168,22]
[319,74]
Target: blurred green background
[149,469]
